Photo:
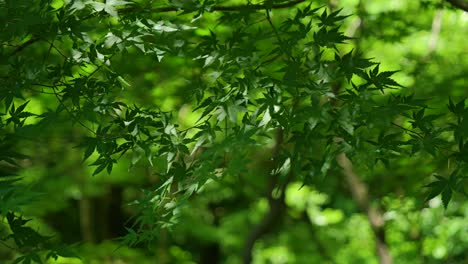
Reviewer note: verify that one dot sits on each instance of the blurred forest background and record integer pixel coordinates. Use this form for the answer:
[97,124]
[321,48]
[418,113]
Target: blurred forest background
[366,212]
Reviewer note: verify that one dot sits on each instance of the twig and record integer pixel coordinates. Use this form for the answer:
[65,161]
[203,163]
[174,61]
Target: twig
[24,45]
[8,246]
[44,85]
[280,41]
[273,26]
[42,92]
[58,51]
[267,62]
[71,114]
[100,66]
[409,130]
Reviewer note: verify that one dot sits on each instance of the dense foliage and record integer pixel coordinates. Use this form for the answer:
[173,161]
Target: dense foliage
[208,131]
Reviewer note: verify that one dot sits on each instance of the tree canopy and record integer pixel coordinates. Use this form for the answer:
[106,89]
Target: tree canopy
[233,131]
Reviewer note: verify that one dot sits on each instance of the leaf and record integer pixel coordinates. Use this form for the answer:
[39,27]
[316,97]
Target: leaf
[100,168]
[162,26]
[199,143]
[329,37]
[109,167]
[266,118]
[330,20]
[137,154]
[123,82]
[90,145]
[36,258]
[67,252]
[221,114]
[110,6]
[19,260]
[435,189]
[21,107]
[446,196]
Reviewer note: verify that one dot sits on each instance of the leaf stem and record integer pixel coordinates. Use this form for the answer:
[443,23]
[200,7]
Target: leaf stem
[409,130]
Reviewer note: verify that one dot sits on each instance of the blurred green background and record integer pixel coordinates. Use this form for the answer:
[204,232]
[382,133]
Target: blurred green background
[321,223]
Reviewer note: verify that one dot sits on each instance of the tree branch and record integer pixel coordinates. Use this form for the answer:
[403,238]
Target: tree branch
[360,194]
[275,208]
[460,4]
[256,7]
[320,247]
[233,8]
[435,32]
[276,204]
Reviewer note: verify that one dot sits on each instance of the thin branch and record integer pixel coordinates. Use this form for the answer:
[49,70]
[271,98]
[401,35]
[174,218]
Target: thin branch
[8,246]
[100,66]
[44,85]
[409,130]
[257,7]
[57,49]
[267,61]
[42,88]
[48,52]
[273,27]
[42,92]
[70,113]
[280,41]
[25,45]
[460,4]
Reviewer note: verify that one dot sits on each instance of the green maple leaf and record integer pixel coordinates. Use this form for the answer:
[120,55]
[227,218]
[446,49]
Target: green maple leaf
[109,6]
